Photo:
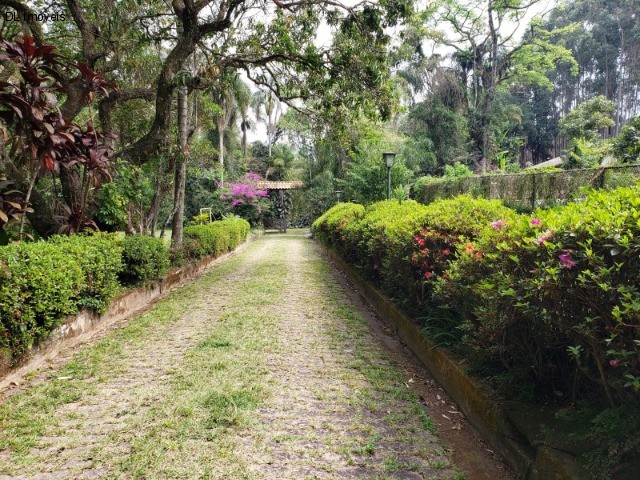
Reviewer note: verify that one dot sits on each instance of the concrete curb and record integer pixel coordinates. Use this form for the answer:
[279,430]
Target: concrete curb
[83,325]
[530,462]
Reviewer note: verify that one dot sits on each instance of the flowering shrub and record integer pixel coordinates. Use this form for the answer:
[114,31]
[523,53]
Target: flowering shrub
[406,246]
[557,296]
[450,223]
[386,228]
[244,199]
[549,300]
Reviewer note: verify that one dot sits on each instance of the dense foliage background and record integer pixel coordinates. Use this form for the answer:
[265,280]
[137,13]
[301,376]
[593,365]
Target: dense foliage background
[455,89]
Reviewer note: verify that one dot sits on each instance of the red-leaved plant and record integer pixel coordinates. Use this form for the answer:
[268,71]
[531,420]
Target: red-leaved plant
[42,139]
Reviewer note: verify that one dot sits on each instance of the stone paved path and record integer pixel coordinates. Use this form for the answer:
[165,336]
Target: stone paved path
[260,369]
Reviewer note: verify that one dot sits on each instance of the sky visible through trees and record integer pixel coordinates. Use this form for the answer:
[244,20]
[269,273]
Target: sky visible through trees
[302,90]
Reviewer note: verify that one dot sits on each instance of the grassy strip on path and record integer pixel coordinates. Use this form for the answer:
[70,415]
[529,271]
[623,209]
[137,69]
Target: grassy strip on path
[341,408]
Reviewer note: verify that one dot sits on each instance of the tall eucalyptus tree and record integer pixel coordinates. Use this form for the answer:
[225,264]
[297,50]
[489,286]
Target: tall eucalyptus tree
[485,38]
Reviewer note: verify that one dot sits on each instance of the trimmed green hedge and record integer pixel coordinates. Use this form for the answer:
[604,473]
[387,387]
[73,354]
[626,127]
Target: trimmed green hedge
[548,304]
[43,282]
[145,259]
[100,258]
[40,285]
[329,225]
[214,238]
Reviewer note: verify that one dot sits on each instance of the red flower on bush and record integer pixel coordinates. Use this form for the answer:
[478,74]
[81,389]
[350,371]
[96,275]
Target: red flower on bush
[614,363]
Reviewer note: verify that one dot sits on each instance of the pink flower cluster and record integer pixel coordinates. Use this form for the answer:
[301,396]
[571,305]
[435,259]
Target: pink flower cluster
[244,193]
[420,241]
[535,222]
[498,225]
[566,259]
[548,235]
[253,177]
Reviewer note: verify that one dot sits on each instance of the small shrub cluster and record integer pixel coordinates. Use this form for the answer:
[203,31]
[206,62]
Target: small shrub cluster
[43,282]
[548,303]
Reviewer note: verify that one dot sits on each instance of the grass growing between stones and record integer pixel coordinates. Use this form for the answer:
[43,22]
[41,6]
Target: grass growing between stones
[380,371]
[384,428]
[213,394]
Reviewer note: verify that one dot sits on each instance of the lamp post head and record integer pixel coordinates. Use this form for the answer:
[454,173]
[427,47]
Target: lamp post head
[389,158]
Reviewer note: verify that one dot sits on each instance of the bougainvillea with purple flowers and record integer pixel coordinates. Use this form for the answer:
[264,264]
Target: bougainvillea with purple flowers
[245,199]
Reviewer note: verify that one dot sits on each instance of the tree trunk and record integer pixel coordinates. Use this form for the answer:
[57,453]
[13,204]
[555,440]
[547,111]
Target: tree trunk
[491,88]
[181,168]
[619,96]
[221,150]
[42,219]
[244,137]
[152,214]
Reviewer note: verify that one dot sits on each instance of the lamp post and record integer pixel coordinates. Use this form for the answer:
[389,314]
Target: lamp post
[389,159]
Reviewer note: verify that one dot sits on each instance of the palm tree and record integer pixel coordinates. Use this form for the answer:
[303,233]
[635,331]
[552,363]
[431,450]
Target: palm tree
[223,95]
[243,100]
[272,107]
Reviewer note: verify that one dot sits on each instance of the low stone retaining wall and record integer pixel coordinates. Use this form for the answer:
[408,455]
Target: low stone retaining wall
[530,460]
[83,325]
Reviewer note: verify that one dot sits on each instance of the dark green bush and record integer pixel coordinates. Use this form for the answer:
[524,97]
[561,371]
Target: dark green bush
[144,258]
